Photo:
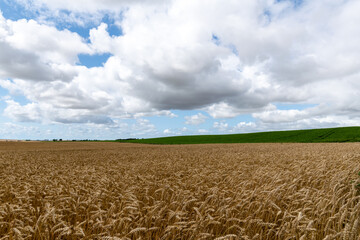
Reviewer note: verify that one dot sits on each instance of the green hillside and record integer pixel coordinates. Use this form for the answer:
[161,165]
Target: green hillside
[344,134]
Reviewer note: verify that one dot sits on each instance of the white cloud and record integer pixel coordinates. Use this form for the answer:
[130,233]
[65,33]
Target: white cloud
[245,127]
[202,131]
[167,132]
[222,110]
[276,116]
[143,127]
[100,39]
[26,113]
[195,119]
[49,44]
[221,126]
[48,55]
[314,117]
[168,59]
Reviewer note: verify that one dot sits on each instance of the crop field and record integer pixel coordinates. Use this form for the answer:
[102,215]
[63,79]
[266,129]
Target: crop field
[93,190]
[341,134]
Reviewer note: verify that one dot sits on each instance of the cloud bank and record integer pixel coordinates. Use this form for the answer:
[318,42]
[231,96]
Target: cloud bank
[224,58]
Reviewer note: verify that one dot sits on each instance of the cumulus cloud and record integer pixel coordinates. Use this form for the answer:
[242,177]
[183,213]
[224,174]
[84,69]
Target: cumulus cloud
[203,131]
[143,127]
[48,43]
[100,39]
[167,131]
[221,126]
[195,119]
[35,112]
[226,59]
[277,116]
[26,113]
[37,52]
[315,117]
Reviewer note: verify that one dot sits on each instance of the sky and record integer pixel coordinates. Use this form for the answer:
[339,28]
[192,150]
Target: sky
[111,69]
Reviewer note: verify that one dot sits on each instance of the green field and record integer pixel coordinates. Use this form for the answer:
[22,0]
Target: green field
[344,134]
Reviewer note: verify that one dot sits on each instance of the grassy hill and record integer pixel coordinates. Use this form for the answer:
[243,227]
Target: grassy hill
[344,134]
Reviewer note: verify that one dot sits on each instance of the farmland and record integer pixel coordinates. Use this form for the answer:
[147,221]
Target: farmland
[94,190]
[342,134]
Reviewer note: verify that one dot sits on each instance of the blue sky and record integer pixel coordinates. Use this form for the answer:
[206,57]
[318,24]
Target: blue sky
[119,69]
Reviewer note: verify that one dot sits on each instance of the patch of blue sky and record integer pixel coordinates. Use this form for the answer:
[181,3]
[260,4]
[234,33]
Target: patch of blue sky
[64,23]
[14,11]
[3,92]
[285,106]
[16,97]
[84,29]
[22,100]
[96,60]
[113,29]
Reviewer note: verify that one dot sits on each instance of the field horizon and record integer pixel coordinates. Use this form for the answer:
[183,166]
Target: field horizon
[341,134]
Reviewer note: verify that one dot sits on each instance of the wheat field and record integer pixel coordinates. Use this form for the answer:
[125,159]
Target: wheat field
[92,190]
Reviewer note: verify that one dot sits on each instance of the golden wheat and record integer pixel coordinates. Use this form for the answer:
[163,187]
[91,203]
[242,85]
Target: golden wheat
[128,191]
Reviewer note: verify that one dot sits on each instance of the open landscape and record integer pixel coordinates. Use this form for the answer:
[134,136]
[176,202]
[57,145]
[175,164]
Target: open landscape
[179,120]
[94,190]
